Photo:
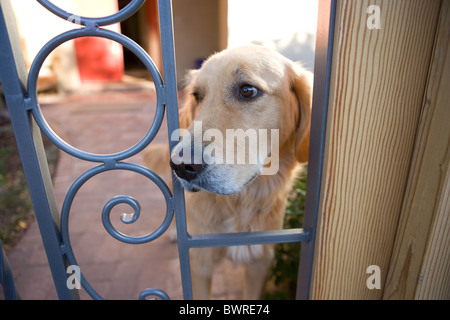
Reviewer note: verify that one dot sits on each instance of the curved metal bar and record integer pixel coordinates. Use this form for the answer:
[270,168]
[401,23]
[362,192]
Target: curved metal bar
[153,292]
[119,16]
[66,246]
[122,199]
[126,218]
[32,101]
[106,219]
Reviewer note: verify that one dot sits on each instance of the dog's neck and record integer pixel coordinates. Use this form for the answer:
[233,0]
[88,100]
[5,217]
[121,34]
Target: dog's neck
[255,207]
[264,186]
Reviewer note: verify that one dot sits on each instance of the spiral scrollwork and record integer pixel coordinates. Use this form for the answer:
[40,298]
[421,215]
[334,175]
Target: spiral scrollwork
[126,218]
[129,218]
[91,27]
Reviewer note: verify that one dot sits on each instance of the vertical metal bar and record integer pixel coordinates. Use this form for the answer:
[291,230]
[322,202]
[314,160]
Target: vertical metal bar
[322,74]
[170,83]
[29,141]
[6,277]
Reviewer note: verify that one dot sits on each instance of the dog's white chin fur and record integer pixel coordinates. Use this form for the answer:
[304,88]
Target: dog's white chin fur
[218,182]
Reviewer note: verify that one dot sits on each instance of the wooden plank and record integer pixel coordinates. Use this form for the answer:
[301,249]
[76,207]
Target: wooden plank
[426,201]
[377,85]
[434,279]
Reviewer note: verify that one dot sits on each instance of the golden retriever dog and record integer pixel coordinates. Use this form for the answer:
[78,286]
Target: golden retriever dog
[240,96]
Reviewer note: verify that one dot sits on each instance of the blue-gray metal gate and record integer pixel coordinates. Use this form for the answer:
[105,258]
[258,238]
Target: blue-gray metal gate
[20,90]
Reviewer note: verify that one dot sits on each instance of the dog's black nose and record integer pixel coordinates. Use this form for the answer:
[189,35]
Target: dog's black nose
[189,171]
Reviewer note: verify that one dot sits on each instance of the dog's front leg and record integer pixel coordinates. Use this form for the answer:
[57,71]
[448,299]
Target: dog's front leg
[201,285]
[255,278]
[203,263]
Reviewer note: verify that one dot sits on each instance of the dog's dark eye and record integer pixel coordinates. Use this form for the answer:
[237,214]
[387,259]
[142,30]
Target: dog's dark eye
[196,96]
[248,92]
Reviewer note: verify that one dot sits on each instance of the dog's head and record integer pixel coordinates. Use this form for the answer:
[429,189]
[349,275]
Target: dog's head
[248,109]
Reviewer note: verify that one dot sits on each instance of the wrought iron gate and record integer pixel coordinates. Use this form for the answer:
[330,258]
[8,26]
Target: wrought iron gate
[28,122]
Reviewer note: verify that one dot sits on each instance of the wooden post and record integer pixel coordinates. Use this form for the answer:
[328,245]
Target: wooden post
[381,58]
[423,232]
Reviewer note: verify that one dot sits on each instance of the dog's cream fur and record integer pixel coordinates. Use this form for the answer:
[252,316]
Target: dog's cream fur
[246,203]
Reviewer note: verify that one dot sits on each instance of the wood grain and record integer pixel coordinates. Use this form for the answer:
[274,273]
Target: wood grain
[434,278]
[377,86]
[423,232]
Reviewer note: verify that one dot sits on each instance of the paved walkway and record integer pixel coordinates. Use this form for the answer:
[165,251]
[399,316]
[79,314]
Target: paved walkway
[105,121]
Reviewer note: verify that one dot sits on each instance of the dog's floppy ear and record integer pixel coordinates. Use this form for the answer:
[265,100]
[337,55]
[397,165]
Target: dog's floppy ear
[301,85]
[187,112]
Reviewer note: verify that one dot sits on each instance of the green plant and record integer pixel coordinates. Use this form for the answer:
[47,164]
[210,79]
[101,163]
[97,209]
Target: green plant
[15,201]
[284,272]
